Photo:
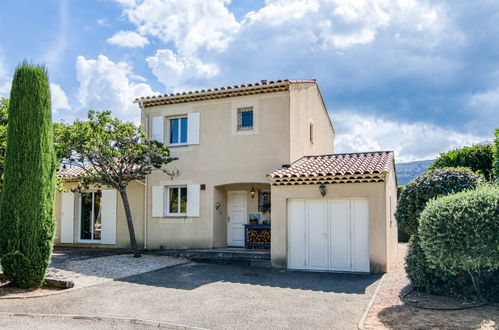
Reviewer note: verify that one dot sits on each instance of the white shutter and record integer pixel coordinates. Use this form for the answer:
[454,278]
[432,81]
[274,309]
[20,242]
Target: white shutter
[193,191]
[193,128]
[108,226]
[67,217]
[158,133]
[158,201]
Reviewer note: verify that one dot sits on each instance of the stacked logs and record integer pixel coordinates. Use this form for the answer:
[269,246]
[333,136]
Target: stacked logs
[258,236]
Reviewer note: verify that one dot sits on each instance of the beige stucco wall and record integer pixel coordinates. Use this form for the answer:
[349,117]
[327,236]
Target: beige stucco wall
[391,223]
[221,157]
[306,106]
[136,198]
[376,194]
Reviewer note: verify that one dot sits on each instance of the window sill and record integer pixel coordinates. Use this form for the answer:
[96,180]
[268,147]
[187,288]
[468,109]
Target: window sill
[177,145]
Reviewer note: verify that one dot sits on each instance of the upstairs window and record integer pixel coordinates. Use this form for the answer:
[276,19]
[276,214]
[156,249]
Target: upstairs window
[244,118]
[178,130]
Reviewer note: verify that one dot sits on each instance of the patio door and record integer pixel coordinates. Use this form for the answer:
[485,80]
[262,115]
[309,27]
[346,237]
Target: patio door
[90,217]
[237,213]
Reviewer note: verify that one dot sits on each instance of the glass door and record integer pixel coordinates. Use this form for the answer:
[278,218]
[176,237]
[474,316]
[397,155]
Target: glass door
[90,216]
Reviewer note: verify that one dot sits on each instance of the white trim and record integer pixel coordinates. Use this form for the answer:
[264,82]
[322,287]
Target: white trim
[108,216]
[168,130]
[67,217]
[157,131]
[238,104]
[167,201]
[193,200]
[193,120]
[157,201]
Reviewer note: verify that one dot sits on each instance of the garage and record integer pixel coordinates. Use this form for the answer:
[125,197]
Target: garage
[328,234]
[335,213]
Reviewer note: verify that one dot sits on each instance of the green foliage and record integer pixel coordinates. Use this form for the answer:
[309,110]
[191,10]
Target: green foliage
[479,158]
[459,235]
[426,186]
[496,155]
[110,152]
[425,278]
[27,225]
[4,106]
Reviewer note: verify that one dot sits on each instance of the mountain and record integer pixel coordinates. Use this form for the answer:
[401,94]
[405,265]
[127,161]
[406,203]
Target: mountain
[408,171]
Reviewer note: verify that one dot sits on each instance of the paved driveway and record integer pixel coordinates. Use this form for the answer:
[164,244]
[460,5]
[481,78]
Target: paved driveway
[219,297]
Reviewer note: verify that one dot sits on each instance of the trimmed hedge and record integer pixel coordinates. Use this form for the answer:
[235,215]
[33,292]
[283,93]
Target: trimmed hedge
[431,184]
[479,158]
[459,236]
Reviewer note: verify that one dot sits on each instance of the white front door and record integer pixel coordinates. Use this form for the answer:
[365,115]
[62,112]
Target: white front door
[237,214]
[334,233]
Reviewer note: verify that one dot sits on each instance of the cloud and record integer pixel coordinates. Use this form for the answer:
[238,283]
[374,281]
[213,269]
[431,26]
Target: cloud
[59,98]
[189,24]
[57,48]
[128,39]
[410,141]
[106,85]
[5,80]
[179,72]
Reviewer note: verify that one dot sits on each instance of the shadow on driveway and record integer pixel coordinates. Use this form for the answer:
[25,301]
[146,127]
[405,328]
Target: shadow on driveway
[194,275]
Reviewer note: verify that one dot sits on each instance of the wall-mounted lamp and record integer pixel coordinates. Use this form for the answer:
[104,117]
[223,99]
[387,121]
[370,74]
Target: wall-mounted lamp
[217,205]
[252,192]
[322,189]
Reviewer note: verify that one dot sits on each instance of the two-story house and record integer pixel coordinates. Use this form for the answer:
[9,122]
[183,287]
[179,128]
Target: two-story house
[263,150]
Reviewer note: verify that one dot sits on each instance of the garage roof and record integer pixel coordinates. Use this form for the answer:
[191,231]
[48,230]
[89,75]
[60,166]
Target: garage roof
[343,165]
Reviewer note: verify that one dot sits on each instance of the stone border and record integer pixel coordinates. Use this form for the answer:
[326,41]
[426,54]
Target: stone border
[362,320]
[149,323]
[90,285]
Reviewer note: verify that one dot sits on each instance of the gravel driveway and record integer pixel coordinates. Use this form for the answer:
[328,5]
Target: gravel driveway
[219,297]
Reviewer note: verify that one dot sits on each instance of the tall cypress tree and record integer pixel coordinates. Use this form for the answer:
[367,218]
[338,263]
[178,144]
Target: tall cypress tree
[27,225]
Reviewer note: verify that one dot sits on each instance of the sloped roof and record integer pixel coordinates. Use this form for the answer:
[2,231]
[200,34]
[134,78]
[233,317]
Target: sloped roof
[70,173]
[361,163]
[261,87]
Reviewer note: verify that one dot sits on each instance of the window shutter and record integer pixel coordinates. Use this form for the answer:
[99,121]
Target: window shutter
[193,191]
[108,226]
[158,201]
[193,128]
[67,217]
[158,133]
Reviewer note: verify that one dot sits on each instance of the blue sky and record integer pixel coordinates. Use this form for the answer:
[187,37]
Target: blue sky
[417,77]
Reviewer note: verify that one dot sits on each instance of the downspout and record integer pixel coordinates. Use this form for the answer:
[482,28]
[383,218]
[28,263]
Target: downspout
[146,129]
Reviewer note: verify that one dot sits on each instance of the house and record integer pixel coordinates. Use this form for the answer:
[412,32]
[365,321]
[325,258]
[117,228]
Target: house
[264,149]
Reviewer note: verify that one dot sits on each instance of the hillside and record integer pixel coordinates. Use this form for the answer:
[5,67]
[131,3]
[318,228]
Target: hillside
[408,171]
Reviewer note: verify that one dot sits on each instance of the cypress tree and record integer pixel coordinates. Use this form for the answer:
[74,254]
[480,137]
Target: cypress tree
[27,224]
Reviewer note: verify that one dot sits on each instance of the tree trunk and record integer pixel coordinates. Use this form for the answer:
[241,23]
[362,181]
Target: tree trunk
[131,230]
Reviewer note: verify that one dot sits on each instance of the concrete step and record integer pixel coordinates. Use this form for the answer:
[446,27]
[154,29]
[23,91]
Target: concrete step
[220,254]
[233,261]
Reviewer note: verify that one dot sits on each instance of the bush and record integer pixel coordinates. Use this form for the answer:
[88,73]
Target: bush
[459,235]
[479,158]
[27,223]
[426,186]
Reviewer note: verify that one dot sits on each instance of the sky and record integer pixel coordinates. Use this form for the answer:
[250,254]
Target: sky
[417,77]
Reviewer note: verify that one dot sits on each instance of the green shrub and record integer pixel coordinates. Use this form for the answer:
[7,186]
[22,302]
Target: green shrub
[459,235]
[426,186]
[27,223]
[479,158]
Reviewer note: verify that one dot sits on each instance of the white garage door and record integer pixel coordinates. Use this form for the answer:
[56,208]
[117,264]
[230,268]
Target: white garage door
[328,234]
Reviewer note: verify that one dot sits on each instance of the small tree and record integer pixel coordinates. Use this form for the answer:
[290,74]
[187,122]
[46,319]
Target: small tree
[27,224]
[496,155]
[113,153]
[479,158]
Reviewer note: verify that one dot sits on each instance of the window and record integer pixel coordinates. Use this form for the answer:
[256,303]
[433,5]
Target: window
[177,201]
[311,132]
[244,118]
[178,130]
[90,216]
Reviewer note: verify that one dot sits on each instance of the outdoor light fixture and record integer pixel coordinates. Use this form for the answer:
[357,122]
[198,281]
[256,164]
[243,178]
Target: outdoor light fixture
[252,192]
[322,189]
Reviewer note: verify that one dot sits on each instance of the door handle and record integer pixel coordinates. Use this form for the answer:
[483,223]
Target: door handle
[228,219]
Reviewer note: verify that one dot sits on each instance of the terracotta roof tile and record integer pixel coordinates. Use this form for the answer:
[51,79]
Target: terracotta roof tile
[338,164]
[70,173]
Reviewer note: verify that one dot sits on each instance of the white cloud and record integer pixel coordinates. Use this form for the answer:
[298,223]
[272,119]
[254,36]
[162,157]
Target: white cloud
[177,72]
[59,98]
[410,142]
[5,80]
[189,24]
[106,85]
[128,39]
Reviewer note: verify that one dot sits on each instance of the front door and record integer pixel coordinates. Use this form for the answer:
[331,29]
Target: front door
[90,218]
[237,213]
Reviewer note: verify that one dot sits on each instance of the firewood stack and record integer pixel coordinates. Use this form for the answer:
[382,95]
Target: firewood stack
[258,237]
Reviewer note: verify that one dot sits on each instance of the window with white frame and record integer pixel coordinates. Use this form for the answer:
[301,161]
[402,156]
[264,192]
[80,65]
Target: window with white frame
[177,130]
[244,118]
[176,203]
